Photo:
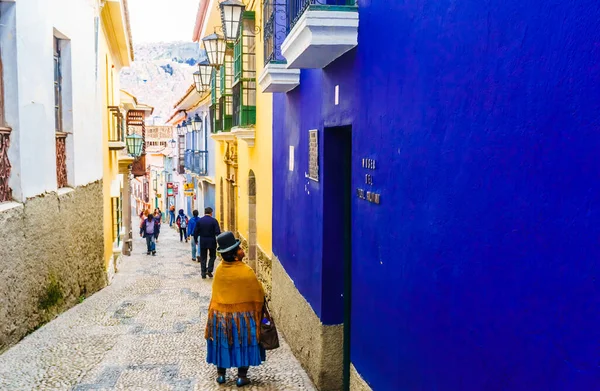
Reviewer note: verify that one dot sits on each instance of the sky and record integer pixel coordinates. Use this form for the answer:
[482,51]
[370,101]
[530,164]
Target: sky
[162,20]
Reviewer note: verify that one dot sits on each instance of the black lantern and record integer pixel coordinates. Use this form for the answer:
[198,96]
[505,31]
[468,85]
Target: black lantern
[231,16]
[135,144]
[189,126]
[180,130]
[202,77]
[197,123]
[214,45]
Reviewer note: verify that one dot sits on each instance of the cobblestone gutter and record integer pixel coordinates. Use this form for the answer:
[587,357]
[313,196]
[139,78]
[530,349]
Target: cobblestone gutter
[51,256]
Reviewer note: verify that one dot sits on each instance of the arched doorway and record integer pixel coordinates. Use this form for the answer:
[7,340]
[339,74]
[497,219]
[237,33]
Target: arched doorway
[221,207]
[252,219]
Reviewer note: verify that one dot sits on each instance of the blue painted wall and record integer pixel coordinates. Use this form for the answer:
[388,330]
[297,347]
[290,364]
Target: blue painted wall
[480,264]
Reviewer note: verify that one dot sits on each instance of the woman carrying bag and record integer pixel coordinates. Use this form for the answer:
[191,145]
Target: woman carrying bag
[235,314]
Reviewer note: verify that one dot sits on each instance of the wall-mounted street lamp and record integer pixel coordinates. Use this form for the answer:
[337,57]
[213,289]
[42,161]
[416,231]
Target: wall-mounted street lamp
[180,130]
[135,144]
[197,123]
[214,45]
[202,76]
[231,16]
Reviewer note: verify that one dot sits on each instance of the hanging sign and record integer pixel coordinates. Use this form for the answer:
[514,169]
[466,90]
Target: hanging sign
[188,186]
[189,193]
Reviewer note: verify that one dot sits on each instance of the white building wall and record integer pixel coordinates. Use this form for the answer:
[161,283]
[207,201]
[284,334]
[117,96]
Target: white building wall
[37,21]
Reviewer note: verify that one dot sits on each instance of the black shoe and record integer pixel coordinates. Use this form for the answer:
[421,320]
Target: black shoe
[242,381]
[148,253]
[221,379]
[153,252]
[203,276]
[209,274]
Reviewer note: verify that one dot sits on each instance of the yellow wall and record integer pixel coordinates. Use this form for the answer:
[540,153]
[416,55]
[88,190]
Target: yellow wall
[258,158]
[108,85]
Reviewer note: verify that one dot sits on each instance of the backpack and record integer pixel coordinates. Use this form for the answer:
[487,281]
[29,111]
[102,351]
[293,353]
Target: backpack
[183,222]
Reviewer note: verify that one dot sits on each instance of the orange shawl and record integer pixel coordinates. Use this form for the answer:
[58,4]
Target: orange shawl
[235,289]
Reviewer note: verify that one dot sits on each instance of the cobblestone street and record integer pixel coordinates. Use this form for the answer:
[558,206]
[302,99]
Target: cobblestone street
[143,332]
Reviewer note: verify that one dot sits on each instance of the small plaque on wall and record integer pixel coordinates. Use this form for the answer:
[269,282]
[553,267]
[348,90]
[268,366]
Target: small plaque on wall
[313,155]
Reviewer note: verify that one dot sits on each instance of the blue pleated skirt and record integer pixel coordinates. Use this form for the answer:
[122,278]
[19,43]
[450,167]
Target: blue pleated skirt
[241,350]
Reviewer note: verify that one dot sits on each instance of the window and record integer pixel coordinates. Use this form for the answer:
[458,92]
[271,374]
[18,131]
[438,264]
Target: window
[5,166]
[116,219]
[244,90]
[226,81]
[61,135]
[57,87]
[2,120]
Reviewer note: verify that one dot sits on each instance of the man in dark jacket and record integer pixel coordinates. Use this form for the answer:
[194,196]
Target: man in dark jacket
[206,231]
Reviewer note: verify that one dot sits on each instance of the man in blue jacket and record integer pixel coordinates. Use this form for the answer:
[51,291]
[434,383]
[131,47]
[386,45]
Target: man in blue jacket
[205,232]
[190,232]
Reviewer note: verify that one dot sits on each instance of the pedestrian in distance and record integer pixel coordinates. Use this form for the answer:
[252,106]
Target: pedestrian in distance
[205,233]
[150,230]
[190,232]
[182,223]
[158,219]
[234,315]
[171,215]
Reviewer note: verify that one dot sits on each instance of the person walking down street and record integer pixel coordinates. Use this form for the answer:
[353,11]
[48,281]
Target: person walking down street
[182,223]
[171,215]
[234,315]
[158,220]
[205,233]
[150,230]
[190,232]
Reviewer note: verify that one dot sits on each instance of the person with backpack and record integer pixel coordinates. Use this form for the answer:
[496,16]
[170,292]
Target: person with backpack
[157,219]
[150,230]
[182,223]
[190,232]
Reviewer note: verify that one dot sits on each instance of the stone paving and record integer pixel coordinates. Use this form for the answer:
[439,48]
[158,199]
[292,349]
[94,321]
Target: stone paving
[143,332]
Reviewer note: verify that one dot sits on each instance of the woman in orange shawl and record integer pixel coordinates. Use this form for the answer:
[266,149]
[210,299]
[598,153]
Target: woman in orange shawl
[234,314]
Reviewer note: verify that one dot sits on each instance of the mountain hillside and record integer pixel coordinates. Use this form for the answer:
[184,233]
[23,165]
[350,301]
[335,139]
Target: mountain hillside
[161,74]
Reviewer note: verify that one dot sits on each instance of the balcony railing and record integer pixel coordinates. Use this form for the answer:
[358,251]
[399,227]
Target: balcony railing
[5,167]
[196,162]
[296,8]
[200,163]
[274,29]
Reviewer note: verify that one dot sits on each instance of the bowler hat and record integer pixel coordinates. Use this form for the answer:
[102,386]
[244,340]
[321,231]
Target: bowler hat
[227,242]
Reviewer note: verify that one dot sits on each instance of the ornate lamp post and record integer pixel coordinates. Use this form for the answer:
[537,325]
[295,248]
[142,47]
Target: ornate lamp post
[231,16]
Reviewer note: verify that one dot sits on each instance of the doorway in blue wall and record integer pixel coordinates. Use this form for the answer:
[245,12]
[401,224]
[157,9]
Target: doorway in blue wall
[337,233]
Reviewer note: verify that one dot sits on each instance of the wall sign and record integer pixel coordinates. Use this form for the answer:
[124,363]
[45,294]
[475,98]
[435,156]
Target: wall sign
[313,155]
[368,195]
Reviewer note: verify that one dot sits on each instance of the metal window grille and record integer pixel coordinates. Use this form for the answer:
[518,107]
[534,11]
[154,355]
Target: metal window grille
[295,8]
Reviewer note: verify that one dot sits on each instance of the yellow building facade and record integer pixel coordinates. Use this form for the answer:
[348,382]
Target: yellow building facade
[241,119]
[114,53]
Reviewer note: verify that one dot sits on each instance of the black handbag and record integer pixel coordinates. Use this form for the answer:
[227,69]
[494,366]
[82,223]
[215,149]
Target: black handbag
[268,332]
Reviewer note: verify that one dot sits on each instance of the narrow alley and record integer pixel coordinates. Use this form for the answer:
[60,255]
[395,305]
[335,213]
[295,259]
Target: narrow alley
[143,332]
